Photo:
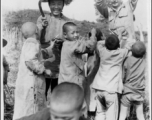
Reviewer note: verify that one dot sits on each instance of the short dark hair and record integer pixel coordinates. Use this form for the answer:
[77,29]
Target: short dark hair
[138,49]
[112,42]
[67,24]
[99,34]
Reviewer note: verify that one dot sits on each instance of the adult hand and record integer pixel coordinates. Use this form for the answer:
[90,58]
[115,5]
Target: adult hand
[44,21]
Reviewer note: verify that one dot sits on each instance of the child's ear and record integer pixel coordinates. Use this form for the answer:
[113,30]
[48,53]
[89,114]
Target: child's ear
[65,35]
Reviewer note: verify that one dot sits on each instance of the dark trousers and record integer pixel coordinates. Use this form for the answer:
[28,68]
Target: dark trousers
[53,82]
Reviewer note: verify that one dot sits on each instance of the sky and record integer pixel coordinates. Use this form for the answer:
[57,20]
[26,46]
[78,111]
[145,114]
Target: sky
[79,9]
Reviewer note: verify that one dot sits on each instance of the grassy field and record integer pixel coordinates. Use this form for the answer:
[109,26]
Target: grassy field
[12,33]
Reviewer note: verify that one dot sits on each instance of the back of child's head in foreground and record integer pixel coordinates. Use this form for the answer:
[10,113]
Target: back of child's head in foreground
[29,29]
[112,42]
[138,49]
[67,99]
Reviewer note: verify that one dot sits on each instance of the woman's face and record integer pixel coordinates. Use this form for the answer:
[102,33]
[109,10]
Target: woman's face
[56,7]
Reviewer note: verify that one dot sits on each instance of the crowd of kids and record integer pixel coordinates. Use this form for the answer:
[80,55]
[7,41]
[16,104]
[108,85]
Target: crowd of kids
[109,77]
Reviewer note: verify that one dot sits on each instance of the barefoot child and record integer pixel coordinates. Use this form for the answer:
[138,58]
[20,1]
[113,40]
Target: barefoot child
[134,82]
[30,83]
[66,103]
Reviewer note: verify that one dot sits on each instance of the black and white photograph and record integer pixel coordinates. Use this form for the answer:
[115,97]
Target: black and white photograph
[76,59]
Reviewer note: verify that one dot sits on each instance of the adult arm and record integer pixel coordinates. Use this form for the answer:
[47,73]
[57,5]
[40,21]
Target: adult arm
[102,9]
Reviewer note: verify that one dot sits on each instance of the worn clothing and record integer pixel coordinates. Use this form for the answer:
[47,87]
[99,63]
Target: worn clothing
[109,75]
[106,105]
[72,64]
[30,83]
[42,115]
[93,63]
[121,20]
[134,78]
[53,30]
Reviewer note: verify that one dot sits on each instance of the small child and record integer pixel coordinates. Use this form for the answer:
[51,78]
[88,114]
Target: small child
[106,84]
[30,83]
[72,64]
[134,81]
[66,103]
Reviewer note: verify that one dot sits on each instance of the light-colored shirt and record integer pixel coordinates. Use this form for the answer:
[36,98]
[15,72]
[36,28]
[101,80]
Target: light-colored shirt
[30,83]
[109,75]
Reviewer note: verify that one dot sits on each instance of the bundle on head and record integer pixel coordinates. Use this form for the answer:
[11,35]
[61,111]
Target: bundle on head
[99,34]
[66,2]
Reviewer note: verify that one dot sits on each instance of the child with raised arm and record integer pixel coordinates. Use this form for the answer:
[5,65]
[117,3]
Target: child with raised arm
[30,83]
[134,81]
[108,80]
[72,64]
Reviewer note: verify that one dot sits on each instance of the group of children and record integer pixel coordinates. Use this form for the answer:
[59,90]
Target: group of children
[120,75]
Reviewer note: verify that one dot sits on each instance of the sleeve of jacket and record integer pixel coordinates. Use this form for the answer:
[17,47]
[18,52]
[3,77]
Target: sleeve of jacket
[102,8]
[31,57]
[133,4]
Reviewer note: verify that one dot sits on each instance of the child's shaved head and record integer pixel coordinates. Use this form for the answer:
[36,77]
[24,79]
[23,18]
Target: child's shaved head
[28,29]
[67,97]
[67,25]
[112,42]
[138,49]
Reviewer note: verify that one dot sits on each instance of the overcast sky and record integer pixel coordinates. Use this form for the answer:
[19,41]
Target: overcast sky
[79,9]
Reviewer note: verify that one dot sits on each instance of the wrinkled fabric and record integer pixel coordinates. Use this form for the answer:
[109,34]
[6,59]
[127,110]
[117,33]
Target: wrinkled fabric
[72,64]
[109,75]
[93,63]
[53,30]
[121,20]
[133,80]
[30,83]
[107,105]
